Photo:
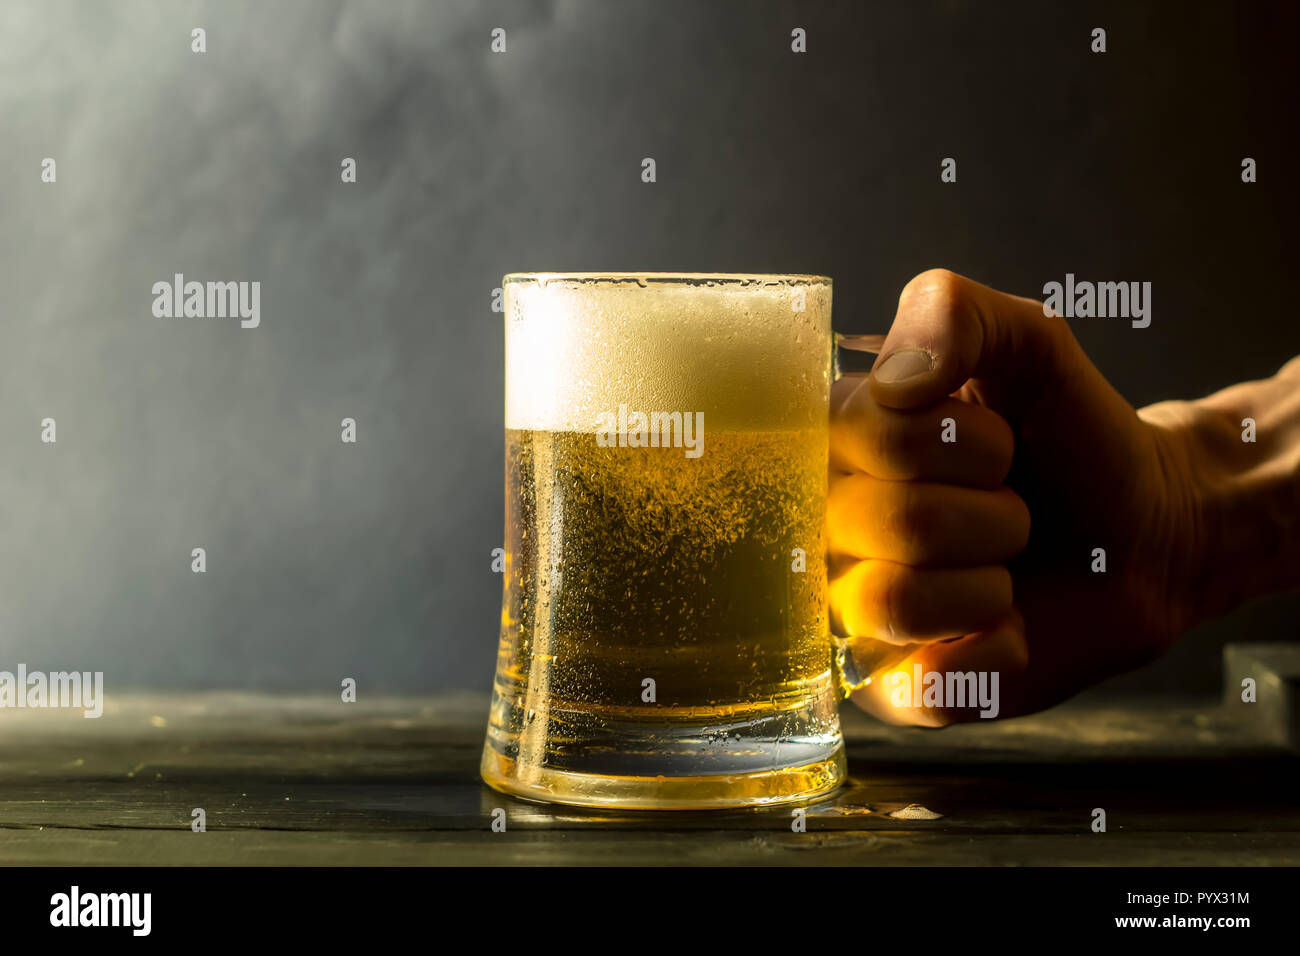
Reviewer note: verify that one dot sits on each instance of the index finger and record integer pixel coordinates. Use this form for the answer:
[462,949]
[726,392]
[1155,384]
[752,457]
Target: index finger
[909,445]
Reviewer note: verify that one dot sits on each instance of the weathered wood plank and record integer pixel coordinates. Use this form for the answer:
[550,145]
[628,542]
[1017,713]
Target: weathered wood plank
[295,780]
[902,848]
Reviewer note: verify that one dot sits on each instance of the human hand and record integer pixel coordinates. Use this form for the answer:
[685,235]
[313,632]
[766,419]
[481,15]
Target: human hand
[931,541]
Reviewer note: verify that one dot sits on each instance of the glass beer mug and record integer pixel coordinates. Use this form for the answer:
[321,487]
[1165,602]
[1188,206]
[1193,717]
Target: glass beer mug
[665,639]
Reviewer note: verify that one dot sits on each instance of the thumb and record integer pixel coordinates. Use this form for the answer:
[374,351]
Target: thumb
[950,329]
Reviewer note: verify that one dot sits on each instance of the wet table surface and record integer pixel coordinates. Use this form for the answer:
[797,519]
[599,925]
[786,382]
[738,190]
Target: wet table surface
[393,780]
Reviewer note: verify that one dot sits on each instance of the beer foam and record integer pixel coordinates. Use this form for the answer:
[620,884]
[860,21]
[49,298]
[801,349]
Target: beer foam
[732,347]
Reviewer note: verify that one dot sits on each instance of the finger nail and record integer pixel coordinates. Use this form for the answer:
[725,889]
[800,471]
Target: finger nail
[901,365]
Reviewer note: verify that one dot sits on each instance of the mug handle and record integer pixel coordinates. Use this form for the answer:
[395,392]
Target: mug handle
[857,668]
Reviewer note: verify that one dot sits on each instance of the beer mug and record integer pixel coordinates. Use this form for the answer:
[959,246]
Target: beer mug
[665,639]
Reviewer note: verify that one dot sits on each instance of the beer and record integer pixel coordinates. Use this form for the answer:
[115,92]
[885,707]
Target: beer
[664,636]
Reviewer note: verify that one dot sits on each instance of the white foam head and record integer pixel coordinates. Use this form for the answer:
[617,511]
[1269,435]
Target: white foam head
[734,347]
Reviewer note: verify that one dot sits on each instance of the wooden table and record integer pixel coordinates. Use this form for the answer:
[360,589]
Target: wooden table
[393,780]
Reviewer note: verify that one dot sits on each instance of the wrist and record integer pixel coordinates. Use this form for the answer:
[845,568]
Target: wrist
[1188,513]
[1241,487]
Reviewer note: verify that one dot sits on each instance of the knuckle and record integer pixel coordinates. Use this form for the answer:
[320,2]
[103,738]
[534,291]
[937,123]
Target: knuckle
[893,448]
[906,442]
[941,286]
[914,521]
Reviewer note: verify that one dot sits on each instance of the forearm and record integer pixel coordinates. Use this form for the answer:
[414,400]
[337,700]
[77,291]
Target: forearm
[1244,495]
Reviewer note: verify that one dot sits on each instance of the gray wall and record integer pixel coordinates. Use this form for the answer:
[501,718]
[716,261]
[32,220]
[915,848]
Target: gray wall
[372,560]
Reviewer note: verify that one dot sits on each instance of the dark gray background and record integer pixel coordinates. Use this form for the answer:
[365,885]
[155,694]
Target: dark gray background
[372,560]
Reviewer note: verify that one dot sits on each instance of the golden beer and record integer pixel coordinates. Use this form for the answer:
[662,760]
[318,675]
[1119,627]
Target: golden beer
[664,634]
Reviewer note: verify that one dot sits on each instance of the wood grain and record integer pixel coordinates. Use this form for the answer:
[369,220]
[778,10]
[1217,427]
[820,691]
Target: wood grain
[291,779]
